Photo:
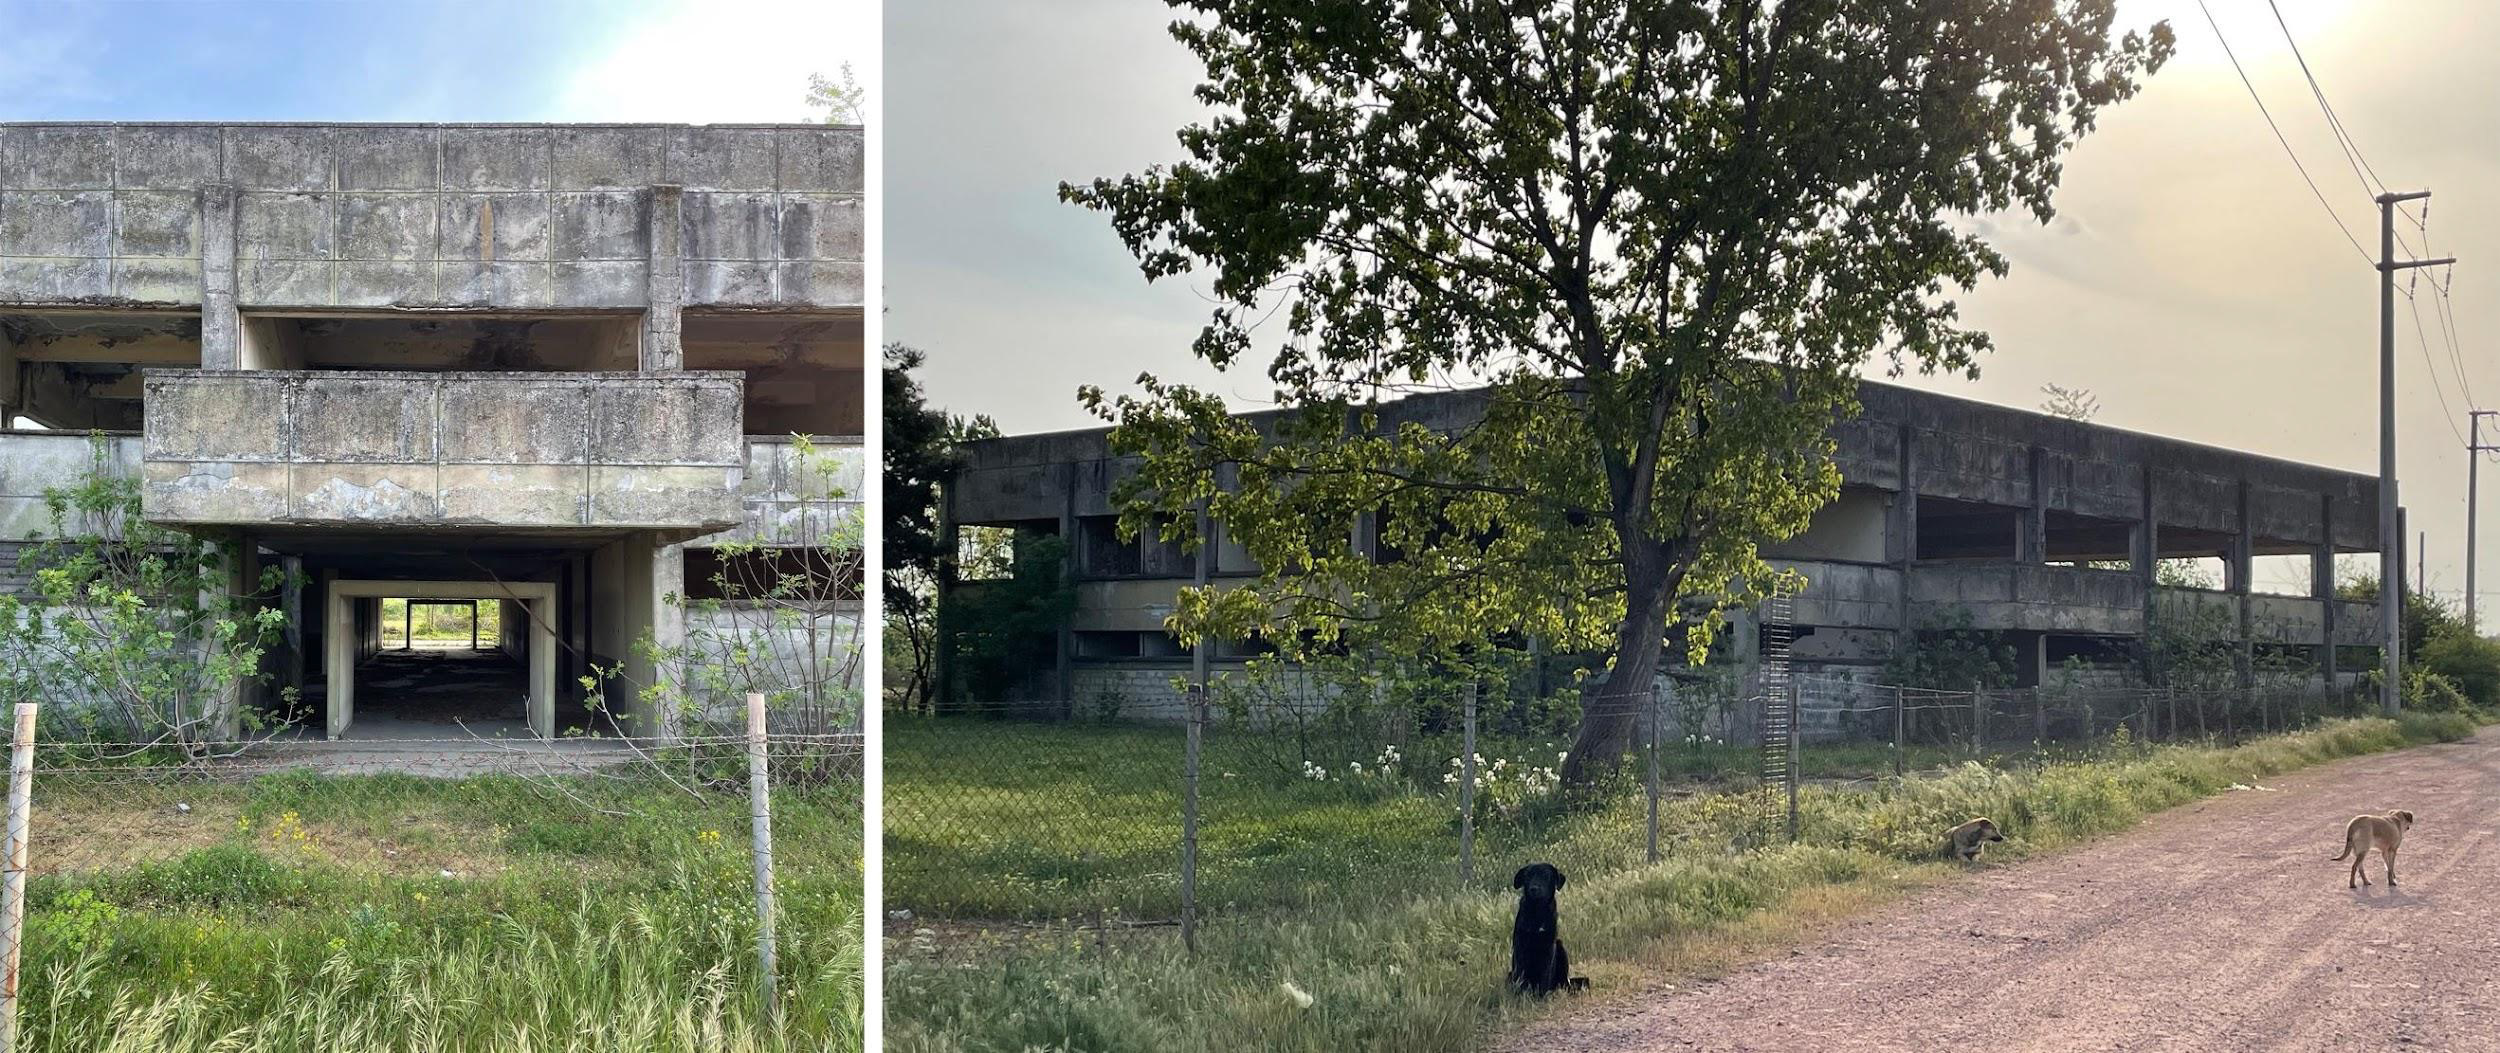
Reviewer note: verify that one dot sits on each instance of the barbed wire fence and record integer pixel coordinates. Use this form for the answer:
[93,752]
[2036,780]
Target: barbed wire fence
[719,770]
[1168,805]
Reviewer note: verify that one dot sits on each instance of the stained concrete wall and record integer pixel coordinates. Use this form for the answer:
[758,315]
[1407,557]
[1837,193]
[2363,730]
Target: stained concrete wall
[553,217]
[2017,596]
[616,450]
[1850,528]
[1960,449]
[33,462]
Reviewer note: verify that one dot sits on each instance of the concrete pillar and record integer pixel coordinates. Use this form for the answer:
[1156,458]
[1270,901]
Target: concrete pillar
[229,595]
[1063,645]
[221,323]
[11,380]
[2148,552]
[2034,660]
[668,635]
[663,345]
[1902,547]
[2322,585]
[2240,577]
[291,601]
[2035,529]
[2404,584]
[942,666]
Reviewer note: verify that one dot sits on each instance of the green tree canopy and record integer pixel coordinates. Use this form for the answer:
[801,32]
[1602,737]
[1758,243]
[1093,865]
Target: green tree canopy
[1665,234]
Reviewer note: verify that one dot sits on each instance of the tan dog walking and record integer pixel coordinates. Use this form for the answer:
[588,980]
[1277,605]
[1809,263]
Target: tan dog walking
[2383,832]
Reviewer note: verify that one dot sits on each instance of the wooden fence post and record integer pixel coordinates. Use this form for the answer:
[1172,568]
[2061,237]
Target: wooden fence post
[13,886]
[1467,793]
[760,798]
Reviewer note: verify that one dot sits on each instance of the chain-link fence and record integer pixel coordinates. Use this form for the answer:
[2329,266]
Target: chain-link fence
[1287,794]
[293,889]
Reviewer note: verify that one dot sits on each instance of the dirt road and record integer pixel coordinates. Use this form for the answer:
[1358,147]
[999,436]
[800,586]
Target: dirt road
[2216,926]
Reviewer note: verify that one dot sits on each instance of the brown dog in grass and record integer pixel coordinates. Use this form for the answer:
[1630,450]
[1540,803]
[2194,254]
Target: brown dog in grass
[2365,832]
[1971,838]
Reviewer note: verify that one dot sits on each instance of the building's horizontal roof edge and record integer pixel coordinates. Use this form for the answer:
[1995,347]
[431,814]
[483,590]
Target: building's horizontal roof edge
[2045,419]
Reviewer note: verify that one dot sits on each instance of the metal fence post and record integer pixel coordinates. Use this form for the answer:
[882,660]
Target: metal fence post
[13,887]
[1467,791]
[1189,819]
[1793,715]
[1654,720]
[1978,718]
[1900,733]
[2040,717]
[760,814]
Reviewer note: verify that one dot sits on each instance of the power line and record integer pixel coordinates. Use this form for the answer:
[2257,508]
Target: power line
[2278,133]
[2371,184]
[2438,388]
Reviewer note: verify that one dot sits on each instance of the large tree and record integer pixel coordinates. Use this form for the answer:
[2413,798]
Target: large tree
[1664,234]
[921,444]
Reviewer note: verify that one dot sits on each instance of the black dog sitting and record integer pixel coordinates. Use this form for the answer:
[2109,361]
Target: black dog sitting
[1538,963]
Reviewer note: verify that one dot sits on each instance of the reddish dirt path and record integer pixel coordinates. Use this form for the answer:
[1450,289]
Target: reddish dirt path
[2216,926]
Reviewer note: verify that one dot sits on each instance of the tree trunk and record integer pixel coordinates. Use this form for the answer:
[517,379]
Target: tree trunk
[1609,717]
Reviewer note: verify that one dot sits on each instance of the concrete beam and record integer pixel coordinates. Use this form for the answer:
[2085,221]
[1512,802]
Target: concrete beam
[151,349]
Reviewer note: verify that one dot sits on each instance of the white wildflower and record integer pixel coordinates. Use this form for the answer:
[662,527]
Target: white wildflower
[1301,998]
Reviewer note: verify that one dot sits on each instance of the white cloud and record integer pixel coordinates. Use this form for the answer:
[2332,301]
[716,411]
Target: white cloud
[724,62]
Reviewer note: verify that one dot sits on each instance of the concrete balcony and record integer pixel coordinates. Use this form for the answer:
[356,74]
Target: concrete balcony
[2030,597]
[610,451]
[1846,595]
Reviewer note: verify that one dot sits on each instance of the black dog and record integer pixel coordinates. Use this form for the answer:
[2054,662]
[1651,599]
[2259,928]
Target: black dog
[1538,963]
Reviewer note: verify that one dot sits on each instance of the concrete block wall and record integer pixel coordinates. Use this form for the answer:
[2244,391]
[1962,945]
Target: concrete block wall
[622,450]
[793,658]
[785,499]
[512,217]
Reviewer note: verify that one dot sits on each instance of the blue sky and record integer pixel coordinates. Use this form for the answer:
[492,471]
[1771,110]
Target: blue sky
[461,60]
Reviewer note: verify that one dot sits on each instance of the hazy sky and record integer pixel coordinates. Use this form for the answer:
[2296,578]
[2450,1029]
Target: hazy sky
[461,60]
[2191,281]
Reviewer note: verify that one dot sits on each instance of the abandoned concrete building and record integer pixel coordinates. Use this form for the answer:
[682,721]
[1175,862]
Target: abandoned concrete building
[2058,539]
[546,367]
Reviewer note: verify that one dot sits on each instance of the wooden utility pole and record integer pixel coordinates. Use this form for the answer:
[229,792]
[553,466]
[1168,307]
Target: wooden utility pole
[2390,562]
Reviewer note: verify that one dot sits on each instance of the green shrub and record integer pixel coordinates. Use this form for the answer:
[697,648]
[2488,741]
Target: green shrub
[2470,664]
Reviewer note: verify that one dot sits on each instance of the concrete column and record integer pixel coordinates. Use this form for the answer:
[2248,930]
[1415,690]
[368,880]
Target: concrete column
[2404,584]
[229,595]
[221,322]
[2035,659]
[2322,585]
[1063,646]
[942,667]
[2148,551]
[2035,529]
[11,380]
[1903,546]
[2241,575]
[291,601]
[668,635]
[663,346]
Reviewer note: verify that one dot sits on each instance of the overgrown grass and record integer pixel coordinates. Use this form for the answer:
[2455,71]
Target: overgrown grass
[989,819]
[392,913]
[1391,964]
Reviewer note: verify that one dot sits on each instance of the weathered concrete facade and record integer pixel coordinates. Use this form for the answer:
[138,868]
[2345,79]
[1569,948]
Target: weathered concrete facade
[2050,533]
[550,355]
